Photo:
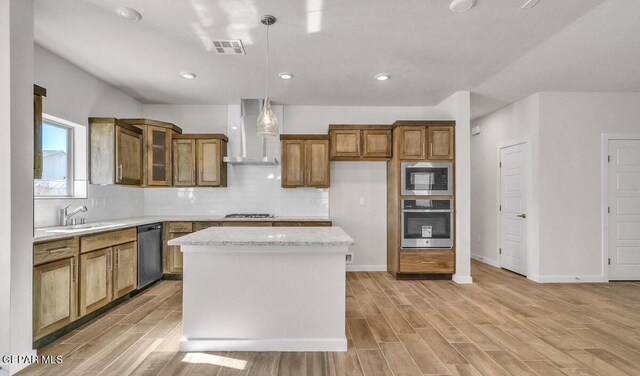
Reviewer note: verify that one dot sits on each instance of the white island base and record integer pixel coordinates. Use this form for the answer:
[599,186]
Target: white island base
[263,297]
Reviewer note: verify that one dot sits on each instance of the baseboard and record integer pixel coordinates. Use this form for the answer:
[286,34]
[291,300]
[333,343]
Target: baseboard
[486,260]
[568,278]
[462,279]
[275,344]
[366,268]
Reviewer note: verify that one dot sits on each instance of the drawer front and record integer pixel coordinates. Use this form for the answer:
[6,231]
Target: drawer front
[202,225]
[247,224]
[107,239]
[180,227]
[427,262]
[287,224]
[316,224]
[55,250]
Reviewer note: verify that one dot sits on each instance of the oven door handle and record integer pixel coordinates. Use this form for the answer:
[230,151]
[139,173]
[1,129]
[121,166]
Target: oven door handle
[427,211]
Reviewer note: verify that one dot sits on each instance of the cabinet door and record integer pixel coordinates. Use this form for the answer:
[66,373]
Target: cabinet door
[209,162]
[54,296]
[441,142]
[427,262]
[345,143]
[412,142]
[128,157]
[125,271]
[292,163]
[317,163]
[174,256]
[96,270]
[158,156]
[377,143]
[184,162]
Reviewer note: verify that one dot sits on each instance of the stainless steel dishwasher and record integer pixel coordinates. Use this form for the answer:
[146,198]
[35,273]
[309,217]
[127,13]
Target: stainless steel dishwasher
[149,254]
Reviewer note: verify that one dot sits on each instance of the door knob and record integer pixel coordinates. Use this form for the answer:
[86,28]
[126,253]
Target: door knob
[522,215]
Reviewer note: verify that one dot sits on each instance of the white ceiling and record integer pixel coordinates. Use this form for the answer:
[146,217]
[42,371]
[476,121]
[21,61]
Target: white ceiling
[429,51]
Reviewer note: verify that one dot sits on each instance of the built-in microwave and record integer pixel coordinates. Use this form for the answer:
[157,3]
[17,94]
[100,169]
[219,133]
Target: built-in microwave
[427,224]
[426,178]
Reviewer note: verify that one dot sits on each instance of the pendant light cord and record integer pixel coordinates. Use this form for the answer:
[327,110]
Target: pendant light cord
[266,76]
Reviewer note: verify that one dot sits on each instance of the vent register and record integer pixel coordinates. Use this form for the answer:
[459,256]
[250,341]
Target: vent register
[228,47]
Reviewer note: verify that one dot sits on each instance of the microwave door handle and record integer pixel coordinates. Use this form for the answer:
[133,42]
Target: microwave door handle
[427,210]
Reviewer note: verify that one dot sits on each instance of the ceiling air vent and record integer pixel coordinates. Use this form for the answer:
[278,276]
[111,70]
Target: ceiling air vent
[228,47]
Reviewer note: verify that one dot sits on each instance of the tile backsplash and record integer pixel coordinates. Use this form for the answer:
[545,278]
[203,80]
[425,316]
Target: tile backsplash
[251,189]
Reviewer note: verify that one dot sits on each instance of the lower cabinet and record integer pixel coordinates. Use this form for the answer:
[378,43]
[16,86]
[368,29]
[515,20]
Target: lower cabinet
[427,262]
[107,274]
[54,296]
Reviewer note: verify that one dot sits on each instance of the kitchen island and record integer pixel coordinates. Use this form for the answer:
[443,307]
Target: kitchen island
[264,289]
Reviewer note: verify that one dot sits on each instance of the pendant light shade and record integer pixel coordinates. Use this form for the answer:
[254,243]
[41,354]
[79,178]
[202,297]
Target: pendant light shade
[267,121]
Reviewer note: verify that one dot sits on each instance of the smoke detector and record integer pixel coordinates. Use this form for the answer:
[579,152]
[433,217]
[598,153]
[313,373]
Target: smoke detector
[228,47]
[461,5]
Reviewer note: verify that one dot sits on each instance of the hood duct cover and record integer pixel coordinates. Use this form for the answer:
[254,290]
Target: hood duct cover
[245,146]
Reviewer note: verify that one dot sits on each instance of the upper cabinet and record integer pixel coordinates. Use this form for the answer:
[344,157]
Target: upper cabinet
[38,93]
[360,142]
[425,140]
[116,150]
[198,160]
[156,153]
[305,161]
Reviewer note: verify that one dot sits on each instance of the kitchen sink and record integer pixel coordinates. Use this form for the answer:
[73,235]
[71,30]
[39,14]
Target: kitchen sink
[83,227]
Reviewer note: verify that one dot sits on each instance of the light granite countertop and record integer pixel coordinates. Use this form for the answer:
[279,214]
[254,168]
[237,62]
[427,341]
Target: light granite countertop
[58,232]
[266,236]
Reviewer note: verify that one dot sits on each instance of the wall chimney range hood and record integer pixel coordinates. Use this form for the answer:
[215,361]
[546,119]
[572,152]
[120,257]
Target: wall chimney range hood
[245,146]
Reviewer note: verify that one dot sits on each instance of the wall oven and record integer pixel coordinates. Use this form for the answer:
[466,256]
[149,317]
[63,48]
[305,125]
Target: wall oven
[427,224]
[426,178]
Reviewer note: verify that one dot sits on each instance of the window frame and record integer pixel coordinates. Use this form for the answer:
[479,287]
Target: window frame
[70,180]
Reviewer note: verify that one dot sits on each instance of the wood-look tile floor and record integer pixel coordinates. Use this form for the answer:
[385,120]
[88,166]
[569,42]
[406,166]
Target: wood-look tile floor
[502,324]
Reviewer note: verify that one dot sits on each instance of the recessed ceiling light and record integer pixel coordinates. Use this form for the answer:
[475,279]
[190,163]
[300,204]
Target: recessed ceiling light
[286,75]
[129,14]
[462,5]
[188,75]
[382,77]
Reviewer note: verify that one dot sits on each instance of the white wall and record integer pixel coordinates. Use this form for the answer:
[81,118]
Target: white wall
[16,179]
[515,122]
[74,95]
[564,215]
[571,125]
[458,108]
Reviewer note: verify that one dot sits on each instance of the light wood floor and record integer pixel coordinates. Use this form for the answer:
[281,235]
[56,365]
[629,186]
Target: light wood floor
[500,325]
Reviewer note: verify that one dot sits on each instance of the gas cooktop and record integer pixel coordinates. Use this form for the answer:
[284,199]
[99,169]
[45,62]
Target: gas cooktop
[249,215]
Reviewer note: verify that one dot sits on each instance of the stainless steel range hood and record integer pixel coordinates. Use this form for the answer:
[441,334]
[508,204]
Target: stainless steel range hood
[245,146]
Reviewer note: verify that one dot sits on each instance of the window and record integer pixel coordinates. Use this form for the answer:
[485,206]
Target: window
[63,160]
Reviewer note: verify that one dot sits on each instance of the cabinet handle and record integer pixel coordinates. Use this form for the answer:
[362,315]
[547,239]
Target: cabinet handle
[120,172]
[117,258]
[430,152]
[73,270]
[427,262]
[58,250]
[109,260]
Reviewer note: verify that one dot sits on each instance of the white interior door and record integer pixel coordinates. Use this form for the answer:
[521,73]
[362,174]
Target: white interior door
[624,209]
[513,172]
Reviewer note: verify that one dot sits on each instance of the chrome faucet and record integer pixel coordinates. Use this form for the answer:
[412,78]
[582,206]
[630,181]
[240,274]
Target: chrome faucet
[64,215]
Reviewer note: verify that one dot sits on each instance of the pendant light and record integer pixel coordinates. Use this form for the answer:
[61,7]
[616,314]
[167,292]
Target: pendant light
[267,120]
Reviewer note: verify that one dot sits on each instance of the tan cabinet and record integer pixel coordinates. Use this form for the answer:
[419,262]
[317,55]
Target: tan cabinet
[345,143]
[427,262]
[441,143]
[198,160]
[184,162]
[412,142]
[351,142]
[96,270]
[211,168]
[305,161]
[38,93]
[317,163]
[54,295]
[157,149]
[125,270]
[171,253]
[115,149]
[292,164]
